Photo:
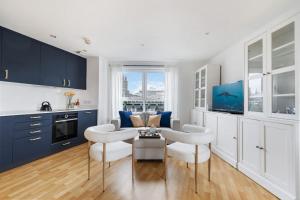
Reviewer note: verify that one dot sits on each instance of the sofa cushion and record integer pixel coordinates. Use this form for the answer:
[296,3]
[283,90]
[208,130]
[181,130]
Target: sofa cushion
[154,121]
[125,119]
[165,120]
[137,121]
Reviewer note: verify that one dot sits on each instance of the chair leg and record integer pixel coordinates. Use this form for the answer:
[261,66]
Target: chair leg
[89,160]
[196,168]
[187,165]
[103,165]
[209,162]
[132,162]
[108,164]
[165,159]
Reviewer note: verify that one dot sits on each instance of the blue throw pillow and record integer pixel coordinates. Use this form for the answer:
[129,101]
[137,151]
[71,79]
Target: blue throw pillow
[125,119]
[165,120]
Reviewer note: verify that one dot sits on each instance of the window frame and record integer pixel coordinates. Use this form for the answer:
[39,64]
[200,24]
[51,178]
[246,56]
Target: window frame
[144,72]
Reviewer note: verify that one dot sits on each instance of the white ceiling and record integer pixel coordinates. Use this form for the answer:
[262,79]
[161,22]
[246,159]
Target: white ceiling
[169,29]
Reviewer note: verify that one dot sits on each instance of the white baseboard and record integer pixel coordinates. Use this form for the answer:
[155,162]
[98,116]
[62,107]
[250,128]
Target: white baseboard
[274,189]
[224,156]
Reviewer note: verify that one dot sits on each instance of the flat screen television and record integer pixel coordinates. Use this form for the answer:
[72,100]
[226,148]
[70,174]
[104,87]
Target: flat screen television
[229,98]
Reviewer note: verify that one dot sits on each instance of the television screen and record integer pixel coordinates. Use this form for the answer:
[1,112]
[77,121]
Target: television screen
[229,98]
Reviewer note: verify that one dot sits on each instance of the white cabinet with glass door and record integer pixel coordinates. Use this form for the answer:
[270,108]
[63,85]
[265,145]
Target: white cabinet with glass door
[281,70]
[271,73]
[205,78]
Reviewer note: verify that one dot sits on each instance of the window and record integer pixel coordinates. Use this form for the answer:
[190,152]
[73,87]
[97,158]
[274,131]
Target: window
[143,90]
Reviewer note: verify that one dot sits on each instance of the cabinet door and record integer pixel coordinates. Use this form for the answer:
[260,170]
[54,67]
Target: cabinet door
[31,148]
[6,143]
[2,70]
[279,154]
[251,138]
[227,135]
[76,72]
[282,76]
[211,122]
[255,83]
[53,62]
[20,58]
[86,119]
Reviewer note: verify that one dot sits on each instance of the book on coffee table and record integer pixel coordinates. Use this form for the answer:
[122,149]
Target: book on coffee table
[149,133]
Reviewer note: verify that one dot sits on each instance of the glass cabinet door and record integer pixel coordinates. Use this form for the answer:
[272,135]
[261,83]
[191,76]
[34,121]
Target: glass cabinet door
[202,99]
[283,70]
[197,80]
[255,76]
[203,77]
[197,97]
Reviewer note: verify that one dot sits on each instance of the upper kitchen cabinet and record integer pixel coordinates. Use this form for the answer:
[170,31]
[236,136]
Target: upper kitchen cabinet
[20,58]
[2,70]
[53,64]
[76,71]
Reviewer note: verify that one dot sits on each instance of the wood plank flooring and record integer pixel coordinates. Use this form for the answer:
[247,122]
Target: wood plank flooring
[63,176]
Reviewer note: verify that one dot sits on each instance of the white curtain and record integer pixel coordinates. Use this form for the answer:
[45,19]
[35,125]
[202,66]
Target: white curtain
[116,90]
[171,90]
[103,95]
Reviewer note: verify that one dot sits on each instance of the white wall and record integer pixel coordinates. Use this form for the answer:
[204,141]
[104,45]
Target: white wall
[232,63]
[26,97]
[232,58]
[186,73]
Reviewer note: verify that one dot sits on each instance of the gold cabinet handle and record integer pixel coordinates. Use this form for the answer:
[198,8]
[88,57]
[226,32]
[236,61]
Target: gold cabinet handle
[6,74]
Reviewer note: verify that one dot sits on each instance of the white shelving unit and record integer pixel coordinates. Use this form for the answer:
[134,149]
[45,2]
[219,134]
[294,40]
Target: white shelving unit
[205,78]
[271,73]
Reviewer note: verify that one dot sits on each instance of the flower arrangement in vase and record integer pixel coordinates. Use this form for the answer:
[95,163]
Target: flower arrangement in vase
[69,96]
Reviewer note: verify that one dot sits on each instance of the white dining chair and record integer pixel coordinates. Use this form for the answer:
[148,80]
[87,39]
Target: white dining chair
[192,145]
[106,145]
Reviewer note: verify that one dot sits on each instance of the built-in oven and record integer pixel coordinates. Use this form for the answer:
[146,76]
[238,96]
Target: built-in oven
[64,126]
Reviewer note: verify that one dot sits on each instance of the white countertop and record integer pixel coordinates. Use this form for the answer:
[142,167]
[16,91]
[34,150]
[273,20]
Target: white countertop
[31,112]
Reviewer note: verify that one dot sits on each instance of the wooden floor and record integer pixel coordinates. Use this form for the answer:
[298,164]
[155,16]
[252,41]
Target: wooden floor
[64,176]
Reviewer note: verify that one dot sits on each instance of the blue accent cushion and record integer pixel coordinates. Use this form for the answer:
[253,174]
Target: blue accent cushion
[165,120]
[125,119]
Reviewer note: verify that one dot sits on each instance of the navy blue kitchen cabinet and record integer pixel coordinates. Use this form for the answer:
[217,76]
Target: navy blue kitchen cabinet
[86,119]
[20,58]
[6,143]
[76,71]
[53,63]
[2,70]
[26,60]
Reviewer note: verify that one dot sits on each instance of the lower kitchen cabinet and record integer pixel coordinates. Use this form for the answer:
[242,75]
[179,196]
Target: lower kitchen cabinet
[30,148]
[24,138]
[86,119]
[6,143]
[267,155]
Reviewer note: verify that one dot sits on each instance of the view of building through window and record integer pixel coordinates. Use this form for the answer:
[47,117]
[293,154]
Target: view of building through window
[143,91]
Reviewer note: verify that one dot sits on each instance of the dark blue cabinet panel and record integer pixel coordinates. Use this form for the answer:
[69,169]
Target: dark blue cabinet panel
[86,119]
[2,70]
[53,63]
[6,143]
[20,58]
[30,148]
[76,71]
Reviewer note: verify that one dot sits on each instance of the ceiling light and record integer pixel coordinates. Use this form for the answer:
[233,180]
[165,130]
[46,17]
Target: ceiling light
[53,36]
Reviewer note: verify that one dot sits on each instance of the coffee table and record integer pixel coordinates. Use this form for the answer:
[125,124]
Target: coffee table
[149,148]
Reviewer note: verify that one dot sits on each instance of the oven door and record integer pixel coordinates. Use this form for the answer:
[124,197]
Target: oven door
[64,128]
